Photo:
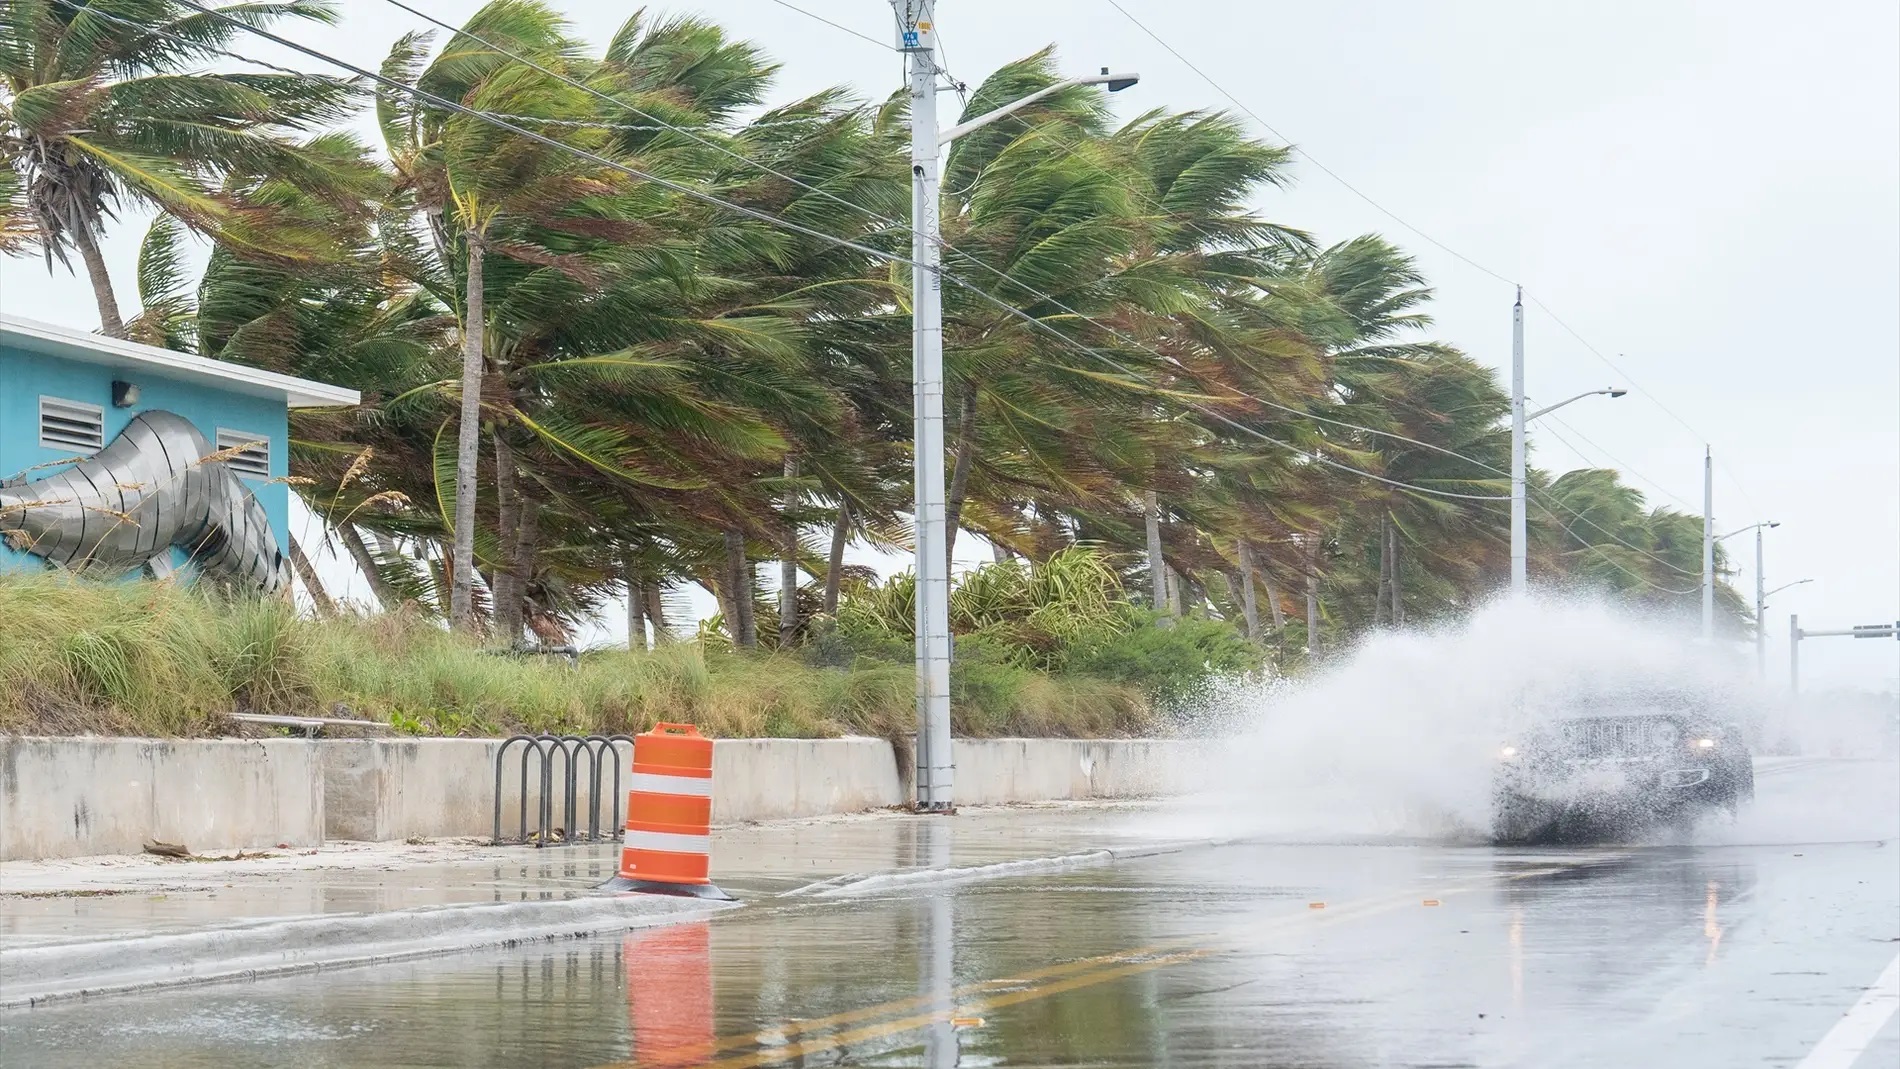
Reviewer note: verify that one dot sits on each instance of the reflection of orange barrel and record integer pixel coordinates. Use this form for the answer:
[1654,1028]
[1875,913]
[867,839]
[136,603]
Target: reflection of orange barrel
[669,815]
[670,995]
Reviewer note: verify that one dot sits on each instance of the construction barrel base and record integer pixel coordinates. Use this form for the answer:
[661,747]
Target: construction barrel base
[627,884]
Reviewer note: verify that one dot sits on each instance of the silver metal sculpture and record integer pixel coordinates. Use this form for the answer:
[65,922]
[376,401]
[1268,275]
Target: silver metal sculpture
[158,485]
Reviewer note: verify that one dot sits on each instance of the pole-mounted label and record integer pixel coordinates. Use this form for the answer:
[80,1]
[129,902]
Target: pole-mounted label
[916,22]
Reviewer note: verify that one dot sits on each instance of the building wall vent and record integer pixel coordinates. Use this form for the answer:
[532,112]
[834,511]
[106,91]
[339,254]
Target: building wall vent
[71,426]
[252,457]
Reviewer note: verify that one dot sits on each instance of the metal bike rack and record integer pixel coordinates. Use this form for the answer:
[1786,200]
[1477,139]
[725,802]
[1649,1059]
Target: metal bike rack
[598,753]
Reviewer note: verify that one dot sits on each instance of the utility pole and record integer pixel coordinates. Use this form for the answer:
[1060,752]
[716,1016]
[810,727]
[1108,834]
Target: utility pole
[1761,607]
[1794,653]
[1761,594]
[1708,544]
[916,38]
[1157,564]
[1520,538]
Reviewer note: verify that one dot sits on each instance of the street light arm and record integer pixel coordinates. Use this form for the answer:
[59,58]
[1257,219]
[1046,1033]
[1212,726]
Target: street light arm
[1113,81]
[1783,587]
[1548,409]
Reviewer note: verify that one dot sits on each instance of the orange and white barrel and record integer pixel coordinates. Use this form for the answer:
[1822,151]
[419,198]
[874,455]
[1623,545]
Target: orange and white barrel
[667,848]
[670,995]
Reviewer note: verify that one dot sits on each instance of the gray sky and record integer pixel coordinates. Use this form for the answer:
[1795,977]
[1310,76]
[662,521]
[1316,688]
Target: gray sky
[1708,192]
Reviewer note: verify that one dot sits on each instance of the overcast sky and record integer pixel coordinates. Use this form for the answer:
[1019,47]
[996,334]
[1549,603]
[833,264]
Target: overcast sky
[1708,192]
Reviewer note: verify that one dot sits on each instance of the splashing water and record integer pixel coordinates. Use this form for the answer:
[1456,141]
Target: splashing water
[1398,738]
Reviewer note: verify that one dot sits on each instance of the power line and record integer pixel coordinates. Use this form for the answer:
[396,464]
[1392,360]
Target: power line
[833,239]
[1310,158]
[945,246]
[835,25]
[1638,387]
[619,103]
[709,198]
[1618,565]
[898,225]
[842,242]
[1394,216]
[1614,459]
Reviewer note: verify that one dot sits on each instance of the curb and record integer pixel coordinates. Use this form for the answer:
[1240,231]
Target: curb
[895,881]
[70,970]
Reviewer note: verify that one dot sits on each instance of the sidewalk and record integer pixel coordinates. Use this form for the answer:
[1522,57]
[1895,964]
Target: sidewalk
[88,925]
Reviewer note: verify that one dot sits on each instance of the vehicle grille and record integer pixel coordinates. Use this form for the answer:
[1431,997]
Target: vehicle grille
[1617,737]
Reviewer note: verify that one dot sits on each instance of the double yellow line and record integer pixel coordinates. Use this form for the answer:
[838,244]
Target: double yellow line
[922,1011]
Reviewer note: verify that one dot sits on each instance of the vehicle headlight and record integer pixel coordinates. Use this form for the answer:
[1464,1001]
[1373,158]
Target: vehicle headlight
[1508,752]
[1705,744]
[1664,734]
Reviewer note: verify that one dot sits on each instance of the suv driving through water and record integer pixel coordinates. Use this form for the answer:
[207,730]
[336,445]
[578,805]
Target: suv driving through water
[1614,764]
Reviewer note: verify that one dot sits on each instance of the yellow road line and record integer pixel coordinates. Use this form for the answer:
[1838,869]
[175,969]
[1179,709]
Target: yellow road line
[1064,976]
[924,1020]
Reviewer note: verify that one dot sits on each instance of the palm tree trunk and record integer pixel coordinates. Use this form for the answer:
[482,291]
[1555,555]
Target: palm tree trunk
[312,582]
[527,548]
[960,472]
[468,447]
[788,564]
[834,566]
[1273,597]
[1398,590]
[507,585]
[636,603]
[1157,568]
[1250,606]
[352,540]
[110,322]
[656,611]
[1381,612]
[739,592]
[1312,598]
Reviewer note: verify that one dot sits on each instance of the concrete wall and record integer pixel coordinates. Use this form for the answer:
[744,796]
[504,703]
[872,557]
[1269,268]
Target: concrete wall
[771,779]
[71,797]
[1001,771]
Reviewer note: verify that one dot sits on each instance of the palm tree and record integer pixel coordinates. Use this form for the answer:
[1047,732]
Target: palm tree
[467,174]
[100,105]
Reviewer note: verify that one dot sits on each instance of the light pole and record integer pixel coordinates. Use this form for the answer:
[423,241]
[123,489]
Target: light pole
[916,37]
[1520,534]
[1761,598]
[1708,545]
[1761,610]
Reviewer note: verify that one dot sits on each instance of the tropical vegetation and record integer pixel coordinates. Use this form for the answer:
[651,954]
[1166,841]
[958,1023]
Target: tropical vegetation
[597,366]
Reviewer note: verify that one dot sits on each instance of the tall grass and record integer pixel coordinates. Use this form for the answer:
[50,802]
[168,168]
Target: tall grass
[142,658]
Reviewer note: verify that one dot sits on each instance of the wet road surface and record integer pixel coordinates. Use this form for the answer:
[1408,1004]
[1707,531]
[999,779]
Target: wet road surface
[1742,950]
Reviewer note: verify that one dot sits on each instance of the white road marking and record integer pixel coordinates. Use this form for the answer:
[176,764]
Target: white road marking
[1852,1034]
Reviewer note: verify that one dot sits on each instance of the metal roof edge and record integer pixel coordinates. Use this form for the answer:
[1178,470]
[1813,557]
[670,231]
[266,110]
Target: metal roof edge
[97,348]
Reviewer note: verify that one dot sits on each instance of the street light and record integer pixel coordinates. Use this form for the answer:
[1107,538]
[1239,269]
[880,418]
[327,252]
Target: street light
[1761,597]
[1785,586]
[1520,536]
[916,37]
[1613,391]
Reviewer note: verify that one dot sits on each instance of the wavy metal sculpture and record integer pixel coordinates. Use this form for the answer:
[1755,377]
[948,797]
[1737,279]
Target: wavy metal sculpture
[151,489]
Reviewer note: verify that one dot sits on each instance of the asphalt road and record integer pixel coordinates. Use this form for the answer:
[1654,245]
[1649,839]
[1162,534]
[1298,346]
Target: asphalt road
[1766,943]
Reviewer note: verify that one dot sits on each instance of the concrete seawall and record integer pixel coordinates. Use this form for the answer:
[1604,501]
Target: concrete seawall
[71,797]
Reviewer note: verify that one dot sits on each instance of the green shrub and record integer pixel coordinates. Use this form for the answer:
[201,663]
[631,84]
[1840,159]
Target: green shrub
[1175,666]
[158,659]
